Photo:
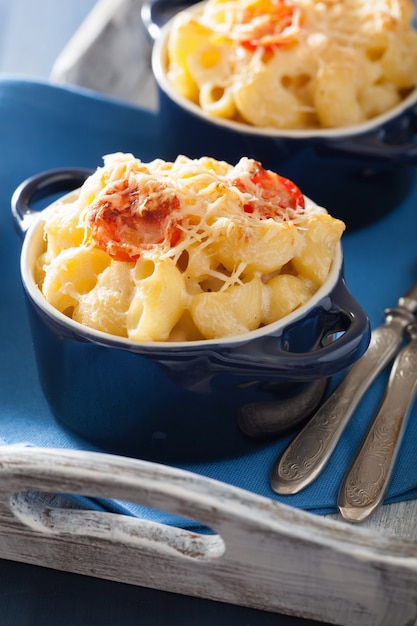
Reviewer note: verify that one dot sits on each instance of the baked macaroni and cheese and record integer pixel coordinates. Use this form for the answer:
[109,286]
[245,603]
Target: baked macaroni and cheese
[184,250]
[295,65]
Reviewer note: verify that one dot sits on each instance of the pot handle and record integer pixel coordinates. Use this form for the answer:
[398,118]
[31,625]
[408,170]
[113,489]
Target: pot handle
[344,337]
[155,13]
[381,147]
[40,186]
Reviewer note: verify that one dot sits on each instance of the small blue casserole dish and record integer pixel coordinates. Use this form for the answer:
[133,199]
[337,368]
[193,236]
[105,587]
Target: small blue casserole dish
[129,397]
[358,173]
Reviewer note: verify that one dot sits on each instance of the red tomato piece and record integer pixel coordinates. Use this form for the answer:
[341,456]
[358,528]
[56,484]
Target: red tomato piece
[126,220]
[274,194]
[268,23]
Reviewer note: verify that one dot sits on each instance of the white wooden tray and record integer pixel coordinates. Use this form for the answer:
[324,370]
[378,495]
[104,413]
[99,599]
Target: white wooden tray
[263,554]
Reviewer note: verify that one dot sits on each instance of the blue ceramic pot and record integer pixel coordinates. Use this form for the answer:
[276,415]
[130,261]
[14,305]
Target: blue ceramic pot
[358,173]
[136,397]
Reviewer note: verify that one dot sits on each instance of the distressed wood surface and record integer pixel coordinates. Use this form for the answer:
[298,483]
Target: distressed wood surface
[263,554]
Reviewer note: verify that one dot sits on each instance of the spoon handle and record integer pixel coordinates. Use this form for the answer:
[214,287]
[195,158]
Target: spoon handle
[306,456]
[367,480]
[266,419]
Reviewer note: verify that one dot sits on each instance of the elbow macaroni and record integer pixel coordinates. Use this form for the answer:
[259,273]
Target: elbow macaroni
[183,251]
[301,64]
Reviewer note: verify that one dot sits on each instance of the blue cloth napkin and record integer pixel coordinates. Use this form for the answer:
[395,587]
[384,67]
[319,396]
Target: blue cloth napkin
[44,126]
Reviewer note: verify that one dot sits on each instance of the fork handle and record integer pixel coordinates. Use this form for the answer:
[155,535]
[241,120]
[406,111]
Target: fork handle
[368,477]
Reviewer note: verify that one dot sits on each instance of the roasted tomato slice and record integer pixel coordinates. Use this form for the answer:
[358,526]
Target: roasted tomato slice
[273,194]
[267,23]
[125,220]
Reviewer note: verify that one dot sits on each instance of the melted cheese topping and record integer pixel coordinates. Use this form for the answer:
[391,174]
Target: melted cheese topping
[184,250]
[203,192]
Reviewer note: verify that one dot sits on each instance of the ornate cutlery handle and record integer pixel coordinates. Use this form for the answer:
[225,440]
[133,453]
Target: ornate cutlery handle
[309,452]
[366,482]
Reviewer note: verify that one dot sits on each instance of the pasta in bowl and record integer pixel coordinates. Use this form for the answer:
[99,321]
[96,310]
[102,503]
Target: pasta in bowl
[294,85]
[194,277]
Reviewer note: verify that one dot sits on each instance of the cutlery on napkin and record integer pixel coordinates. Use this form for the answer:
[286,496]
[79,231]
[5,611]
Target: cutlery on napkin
[307,455]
